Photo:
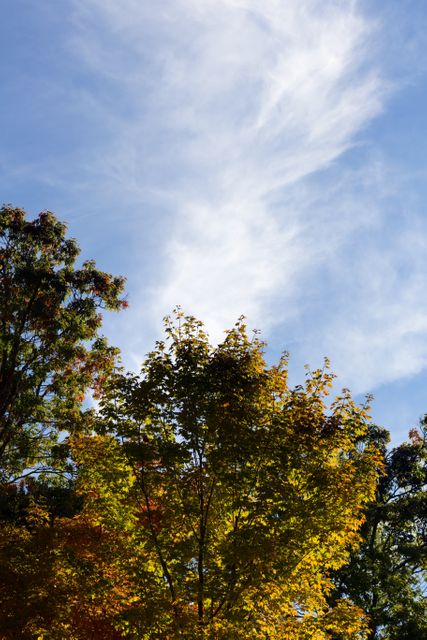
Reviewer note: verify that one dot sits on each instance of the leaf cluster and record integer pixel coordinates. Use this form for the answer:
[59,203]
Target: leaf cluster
[387,574]
[50,351]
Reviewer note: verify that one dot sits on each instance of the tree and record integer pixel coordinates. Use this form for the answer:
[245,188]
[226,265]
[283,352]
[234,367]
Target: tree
[68,578]
[387,576]
[247,493]
[216,501]
[50,350]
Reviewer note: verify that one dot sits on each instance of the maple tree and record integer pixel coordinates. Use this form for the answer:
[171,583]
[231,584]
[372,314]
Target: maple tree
[248,492]
[86,576]
[50,349]
[68,578]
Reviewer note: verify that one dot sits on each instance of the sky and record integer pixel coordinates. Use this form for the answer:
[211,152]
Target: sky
[255,157]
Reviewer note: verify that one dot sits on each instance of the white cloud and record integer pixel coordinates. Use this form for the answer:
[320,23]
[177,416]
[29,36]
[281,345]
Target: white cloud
[269,94]
[381,328]
[238,115]
[258,96]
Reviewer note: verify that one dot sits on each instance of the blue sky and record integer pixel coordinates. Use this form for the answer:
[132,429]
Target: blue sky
[253,157]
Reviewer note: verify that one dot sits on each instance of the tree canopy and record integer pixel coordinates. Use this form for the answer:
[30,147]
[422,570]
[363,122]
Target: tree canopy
[206,498]
[216,502]
[50,350]
[387,575]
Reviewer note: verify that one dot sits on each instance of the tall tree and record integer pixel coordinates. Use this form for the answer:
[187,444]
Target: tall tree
[387,576]
[50,350]
[248,493]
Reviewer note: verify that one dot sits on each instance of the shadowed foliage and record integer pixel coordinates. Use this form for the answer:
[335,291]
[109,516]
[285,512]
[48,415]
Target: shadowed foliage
[387,576]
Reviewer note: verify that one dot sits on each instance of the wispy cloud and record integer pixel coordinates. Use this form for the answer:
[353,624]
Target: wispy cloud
[235,119]
[380,324]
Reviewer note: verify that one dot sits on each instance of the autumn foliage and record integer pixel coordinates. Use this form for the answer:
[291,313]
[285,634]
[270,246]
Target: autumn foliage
[206,499]
[216,503]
